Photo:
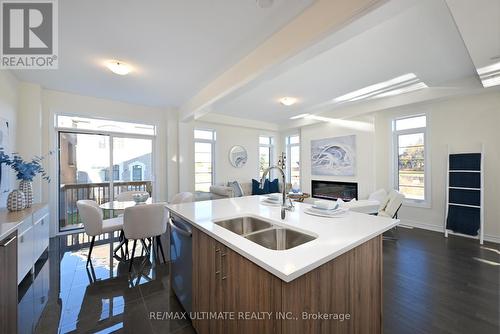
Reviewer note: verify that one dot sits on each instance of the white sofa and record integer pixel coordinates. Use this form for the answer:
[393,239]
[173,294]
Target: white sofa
[224,191]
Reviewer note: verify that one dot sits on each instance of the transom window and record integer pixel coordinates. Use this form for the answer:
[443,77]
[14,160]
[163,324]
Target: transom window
[204,159]
[410,158]
[94,124]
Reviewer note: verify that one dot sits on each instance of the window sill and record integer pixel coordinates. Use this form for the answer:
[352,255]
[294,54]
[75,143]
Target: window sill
[417,204]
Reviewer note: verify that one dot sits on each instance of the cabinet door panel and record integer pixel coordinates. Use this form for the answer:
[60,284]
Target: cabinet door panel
[249,288]
[8,285]
[207,295]
[25,249]
[41,237]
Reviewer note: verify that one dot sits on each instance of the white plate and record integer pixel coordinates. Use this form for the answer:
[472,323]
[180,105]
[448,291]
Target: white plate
[270,202]
[323,209]
[337,214]
[329,212]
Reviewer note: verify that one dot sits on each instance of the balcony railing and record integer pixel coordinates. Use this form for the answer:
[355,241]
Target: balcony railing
[69,194]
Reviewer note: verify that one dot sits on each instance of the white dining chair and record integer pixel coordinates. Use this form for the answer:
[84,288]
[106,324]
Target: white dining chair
[127,196]
[94,224]
[390,207]
[142,222]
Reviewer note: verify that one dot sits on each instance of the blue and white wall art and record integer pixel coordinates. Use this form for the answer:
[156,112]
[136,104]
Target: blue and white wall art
[334,156]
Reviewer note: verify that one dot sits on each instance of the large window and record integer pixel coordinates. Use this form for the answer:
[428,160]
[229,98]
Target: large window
[204,156]
[266,148]
[293,159]
[410,165]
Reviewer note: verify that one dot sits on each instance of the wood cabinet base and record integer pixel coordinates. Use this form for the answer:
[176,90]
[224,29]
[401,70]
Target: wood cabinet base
[8,284]
[341,296]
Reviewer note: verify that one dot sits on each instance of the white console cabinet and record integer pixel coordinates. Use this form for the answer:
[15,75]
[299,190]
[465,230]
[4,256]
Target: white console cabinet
[32,226]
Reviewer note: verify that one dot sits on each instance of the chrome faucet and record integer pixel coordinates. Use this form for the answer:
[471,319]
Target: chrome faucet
[280,167]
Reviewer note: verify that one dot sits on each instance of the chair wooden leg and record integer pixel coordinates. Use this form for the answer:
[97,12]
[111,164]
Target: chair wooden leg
[158,242]
[132,256]
[90,250]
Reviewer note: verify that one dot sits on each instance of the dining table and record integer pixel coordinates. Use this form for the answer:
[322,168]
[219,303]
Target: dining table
[122,205]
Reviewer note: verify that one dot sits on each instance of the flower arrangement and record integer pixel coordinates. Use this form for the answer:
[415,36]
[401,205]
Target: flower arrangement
[25,170]
[4,158]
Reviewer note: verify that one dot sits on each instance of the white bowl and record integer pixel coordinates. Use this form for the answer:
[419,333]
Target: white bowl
[325,205]
[140,198]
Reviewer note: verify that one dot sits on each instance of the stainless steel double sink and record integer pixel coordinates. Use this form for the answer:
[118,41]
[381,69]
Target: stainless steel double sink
[264,233]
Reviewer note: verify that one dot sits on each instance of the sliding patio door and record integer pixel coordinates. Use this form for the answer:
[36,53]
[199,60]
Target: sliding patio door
[98,167]
[132,164]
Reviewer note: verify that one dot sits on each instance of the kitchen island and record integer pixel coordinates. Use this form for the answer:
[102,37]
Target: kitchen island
[332,282]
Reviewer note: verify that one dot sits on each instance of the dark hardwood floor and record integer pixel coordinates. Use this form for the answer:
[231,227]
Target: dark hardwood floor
[431,285]
[438,285]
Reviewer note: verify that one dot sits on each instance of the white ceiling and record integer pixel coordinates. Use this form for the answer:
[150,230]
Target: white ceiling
[479,24]
[175,46]
[421,39]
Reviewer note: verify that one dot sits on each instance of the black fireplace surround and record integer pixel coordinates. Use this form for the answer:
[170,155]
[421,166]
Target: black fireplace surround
[333,190]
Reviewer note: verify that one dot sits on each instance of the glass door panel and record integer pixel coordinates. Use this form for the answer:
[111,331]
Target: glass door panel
[83,169]
[132,164]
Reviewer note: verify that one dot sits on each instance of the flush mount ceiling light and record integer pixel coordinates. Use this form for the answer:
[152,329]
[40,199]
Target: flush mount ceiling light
[288,101]
[118,67]
[490,75]
[403,84]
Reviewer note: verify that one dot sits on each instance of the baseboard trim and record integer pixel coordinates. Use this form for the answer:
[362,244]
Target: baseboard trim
[492,238]
[435,228]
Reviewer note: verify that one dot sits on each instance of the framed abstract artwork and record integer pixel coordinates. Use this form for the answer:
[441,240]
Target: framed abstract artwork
[334,156]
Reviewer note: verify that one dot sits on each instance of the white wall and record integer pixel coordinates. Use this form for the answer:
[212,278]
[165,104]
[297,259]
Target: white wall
[463,123]
[363,128]
[54,102]
[29,120]
[9,93]
[227,136]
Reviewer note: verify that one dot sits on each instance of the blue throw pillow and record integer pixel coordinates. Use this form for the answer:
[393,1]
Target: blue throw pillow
[274,186]
[256,190]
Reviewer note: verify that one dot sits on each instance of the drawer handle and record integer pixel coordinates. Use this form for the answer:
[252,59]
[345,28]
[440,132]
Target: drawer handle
[9,241]
[223,276]
[217,272]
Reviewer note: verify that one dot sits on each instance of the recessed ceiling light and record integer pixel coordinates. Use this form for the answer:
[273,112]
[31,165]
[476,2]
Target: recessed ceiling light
[288,101]
[399,85]
[299,116]
[118,67]
[490,75]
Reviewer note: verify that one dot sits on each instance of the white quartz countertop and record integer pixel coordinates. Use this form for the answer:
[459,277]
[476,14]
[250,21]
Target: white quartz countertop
[334,236]
[10,221]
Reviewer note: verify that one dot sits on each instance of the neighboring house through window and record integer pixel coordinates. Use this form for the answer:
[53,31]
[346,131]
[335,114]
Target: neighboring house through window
[137,170]
[204,159]
[116,173]
[411,167]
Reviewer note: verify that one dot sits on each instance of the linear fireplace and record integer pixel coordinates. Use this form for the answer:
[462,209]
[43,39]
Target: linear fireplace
[334,190]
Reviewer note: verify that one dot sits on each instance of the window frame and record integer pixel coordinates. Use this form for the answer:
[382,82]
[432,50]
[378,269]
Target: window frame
[270,147]
[207,141]
[426,202]
[288,150]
